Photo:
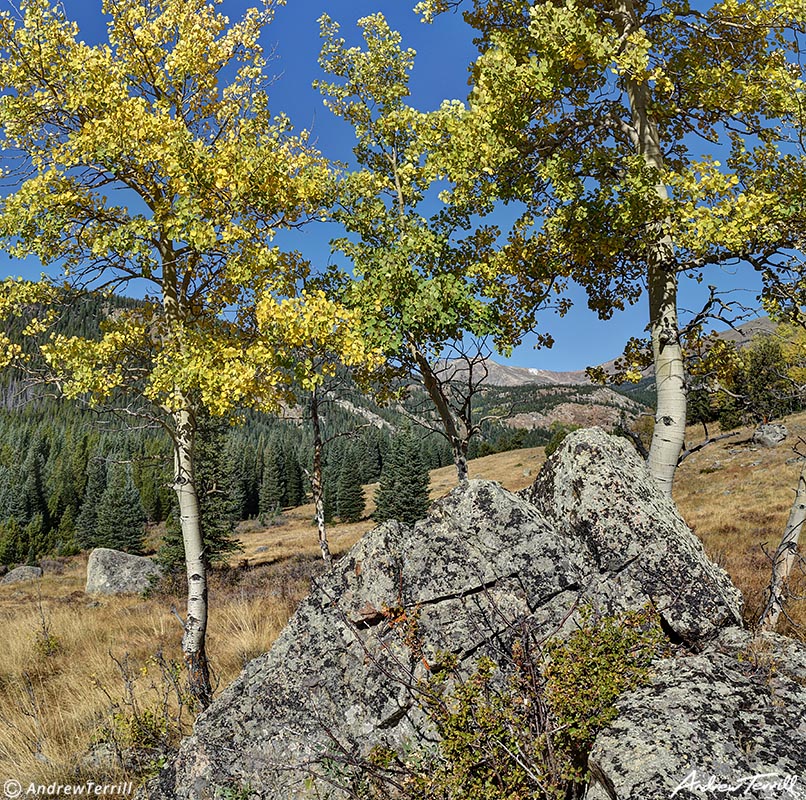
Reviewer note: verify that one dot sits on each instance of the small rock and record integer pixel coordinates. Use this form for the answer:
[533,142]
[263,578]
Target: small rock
[770,435]
[101,757]
[22,574]
[262,549]
[114,572]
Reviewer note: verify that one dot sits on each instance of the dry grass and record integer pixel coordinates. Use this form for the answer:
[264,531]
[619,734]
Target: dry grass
[64,654]
[57,695]
[736,497]
[57,664]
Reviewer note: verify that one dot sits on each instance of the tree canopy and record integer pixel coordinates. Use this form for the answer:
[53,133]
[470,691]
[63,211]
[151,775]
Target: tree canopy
[153,158]
[651,140]
[431,273]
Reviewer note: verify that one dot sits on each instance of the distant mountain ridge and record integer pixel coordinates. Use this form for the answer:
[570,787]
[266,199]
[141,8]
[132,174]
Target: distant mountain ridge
[507,375]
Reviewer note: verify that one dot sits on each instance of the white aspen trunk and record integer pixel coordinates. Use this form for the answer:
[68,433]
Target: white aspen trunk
[785,557]
[193,640]
[668,437]
[317,485]
[195,625]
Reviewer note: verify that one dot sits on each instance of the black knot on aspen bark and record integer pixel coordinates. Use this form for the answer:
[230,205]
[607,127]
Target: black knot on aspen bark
[667,336]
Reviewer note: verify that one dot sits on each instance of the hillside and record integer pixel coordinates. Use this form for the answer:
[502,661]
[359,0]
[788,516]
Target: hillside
[734,495]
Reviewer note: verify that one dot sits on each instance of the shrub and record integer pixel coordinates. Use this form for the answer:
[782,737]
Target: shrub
[146,724]
[522,729]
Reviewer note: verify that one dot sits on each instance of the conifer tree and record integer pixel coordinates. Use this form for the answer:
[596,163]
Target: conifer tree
[65,483]
[330,479]
[350,498]
[121,519]
[371,459]
[10,542]
[273,484]
[65,534]
[235,454]
[34,539]
[219,500]
[152,479]
[251,472]
[87,520]
[403,490]
[33,487]
[11,500]
[293,476]
[217,497]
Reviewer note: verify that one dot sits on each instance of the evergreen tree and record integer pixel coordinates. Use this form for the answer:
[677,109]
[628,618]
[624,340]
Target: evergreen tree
[273,485]
[87,520]
[760,389]
[64,537]
[251,470]
[235,453]
[350,498]
[33,487]
[330,478]
[220,500]
[403,490]
[371,458]
[152,478]
[768,390]
[67,476]
[34,539]
[293,477]
[11,546]
[431,454]
[217,500]
[11,499]
[120,515]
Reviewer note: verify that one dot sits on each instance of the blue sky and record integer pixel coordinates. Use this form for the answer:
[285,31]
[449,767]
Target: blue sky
[444,50]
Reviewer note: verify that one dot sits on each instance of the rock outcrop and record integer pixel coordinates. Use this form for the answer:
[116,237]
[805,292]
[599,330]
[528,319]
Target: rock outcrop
[113,572]
[597,492]
[594,530]
[19,574]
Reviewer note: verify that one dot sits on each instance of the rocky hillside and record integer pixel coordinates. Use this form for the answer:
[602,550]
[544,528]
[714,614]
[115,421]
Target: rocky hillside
[505,375]
[579,406]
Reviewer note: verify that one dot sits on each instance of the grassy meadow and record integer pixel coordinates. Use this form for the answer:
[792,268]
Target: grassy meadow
[83,679]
